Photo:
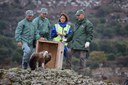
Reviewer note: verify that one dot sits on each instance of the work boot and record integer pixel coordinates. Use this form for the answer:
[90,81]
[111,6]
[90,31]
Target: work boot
[25,65]
[85,71]
[81,71]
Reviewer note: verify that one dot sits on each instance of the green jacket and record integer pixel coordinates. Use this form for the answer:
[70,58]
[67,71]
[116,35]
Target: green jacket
[43,26]
[26,32]
[82,33]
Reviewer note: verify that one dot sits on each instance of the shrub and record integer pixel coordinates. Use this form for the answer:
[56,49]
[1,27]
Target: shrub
[96,58]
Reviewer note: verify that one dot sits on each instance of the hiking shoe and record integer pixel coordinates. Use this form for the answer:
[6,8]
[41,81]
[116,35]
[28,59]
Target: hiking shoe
[25,65]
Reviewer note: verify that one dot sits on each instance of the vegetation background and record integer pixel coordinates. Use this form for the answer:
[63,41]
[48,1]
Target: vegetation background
[110,18]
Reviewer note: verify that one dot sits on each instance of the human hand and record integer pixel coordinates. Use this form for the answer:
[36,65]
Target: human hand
[42,38]
[19,44]
[87,44]
[64,39]
[60,34]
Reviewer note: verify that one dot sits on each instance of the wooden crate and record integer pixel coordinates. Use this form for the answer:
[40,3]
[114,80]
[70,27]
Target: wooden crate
[55,48]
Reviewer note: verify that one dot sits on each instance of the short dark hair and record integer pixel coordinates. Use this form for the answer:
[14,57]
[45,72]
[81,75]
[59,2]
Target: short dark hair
[66,17]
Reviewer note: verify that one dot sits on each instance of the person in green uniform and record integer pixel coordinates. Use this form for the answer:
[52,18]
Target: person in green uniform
[81,38]
[25,33]
[42,24]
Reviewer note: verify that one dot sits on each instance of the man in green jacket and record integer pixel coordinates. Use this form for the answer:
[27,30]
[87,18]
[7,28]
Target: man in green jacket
[42,24]
[81,38]
[25,33]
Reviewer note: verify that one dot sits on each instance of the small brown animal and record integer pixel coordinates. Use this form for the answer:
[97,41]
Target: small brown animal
[39,59]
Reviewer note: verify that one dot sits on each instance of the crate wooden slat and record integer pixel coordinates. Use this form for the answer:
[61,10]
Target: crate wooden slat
[55,48]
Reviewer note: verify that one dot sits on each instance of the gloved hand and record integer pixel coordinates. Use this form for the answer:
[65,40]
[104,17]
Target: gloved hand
[64,39]
[87,44]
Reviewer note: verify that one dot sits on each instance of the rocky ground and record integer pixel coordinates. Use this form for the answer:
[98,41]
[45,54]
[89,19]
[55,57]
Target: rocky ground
[17,76]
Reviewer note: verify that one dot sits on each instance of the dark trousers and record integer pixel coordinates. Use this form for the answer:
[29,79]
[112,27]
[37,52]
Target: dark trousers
[81,54]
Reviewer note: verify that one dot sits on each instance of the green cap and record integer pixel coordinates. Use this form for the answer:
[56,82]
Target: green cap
[79,12]
[29,13]
[44,10]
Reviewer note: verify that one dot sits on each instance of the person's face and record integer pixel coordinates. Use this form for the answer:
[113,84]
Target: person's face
[43,15]
[80,17]
[62,19]
[29,17]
